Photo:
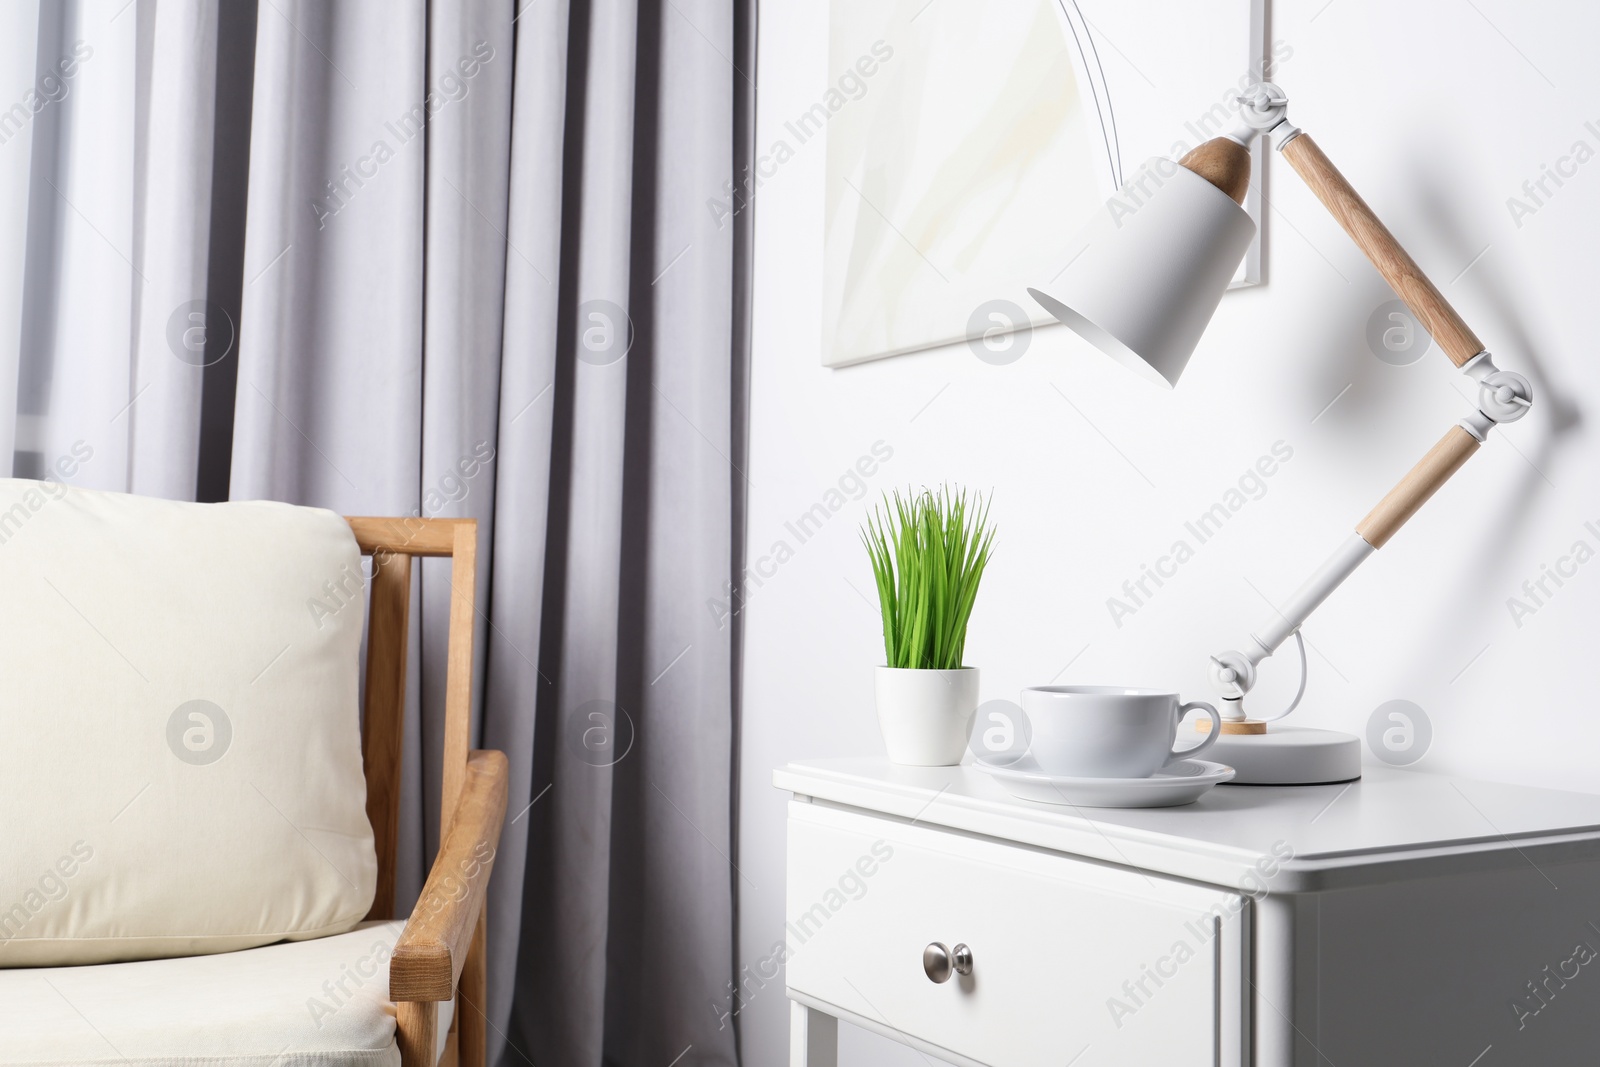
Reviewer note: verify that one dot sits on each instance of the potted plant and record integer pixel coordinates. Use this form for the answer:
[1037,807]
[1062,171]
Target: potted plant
[928,553]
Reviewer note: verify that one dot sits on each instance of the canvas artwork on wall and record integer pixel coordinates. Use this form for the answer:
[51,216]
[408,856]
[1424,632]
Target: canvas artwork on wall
[983,137]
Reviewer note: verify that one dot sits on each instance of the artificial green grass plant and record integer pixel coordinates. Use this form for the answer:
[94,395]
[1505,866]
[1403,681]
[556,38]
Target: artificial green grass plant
[928,554]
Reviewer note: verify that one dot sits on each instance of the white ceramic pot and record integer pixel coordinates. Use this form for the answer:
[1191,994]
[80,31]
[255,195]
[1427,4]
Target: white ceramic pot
[926,716]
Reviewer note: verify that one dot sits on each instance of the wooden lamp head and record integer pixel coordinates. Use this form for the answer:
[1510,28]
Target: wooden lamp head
[1223,162]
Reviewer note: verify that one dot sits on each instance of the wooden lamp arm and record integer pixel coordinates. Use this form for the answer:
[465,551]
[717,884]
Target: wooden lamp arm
[1233,672]
[1441,321]
[1430,307]
[1420,483]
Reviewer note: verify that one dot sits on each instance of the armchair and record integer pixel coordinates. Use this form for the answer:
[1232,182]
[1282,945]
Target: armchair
[213,866]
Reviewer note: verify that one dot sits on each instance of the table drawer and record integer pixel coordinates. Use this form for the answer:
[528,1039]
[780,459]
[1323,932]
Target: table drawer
[1070,958]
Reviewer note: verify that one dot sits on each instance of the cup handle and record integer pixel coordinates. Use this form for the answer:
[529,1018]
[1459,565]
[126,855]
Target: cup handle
[1211,738]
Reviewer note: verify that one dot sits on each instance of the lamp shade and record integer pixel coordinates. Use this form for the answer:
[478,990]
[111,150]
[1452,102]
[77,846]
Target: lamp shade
[1144,276]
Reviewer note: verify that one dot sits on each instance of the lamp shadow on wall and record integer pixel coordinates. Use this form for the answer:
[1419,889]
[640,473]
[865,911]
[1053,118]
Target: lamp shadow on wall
[1347,390]
[1502,310]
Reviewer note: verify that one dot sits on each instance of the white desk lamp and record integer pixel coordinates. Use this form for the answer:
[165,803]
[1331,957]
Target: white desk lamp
[1141,283]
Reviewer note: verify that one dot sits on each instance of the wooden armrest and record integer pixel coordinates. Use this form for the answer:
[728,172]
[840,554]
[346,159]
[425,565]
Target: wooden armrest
[433,947]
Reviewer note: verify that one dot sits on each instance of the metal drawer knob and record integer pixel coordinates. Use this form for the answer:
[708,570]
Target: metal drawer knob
[940,962]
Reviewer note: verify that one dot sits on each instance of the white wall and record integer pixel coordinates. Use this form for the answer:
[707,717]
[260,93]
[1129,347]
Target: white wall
[1438,112]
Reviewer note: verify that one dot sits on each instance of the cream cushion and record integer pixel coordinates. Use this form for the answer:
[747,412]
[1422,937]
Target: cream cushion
[322,1003]
[181,766]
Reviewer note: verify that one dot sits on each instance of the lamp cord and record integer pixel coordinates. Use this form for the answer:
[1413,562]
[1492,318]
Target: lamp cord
[1304,671]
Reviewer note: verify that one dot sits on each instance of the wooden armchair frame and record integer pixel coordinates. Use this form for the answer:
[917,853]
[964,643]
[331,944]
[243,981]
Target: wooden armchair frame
[441,952]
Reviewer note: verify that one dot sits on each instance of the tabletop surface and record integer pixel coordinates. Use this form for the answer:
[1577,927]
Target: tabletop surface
[1387,825]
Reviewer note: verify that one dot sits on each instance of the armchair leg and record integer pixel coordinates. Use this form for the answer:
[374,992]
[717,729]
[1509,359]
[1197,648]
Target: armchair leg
[417,1023]
[472,999]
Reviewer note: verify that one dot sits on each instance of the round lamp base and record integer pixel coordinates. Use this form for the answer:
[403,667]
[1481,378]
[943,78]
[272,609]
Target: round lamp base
[1289,755]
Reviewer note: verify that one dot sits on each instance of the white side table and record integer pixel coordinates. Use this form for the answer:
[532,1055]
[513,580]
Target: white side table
[1401,919]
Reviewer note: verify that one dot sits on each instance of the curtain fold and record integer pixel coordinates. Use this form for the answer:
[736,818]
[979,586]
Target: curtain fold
[471,273]
[634,724]
[105,163]
[19,47]
[680,477]
[581,718]
[513,683]
[173,116]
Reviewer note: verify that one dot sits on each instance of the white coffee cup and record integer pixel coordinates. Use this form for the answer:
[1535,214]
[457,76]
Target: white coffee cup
[1105,731]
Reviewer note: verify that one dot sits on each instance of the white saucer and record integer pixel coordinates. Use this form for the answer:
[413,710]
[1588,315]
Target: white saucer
[1183,782]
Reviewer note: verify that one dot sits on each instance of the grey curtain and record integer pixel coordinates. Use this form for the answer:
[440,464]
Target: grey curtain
[476,259]
[110,148]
